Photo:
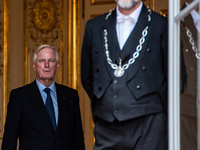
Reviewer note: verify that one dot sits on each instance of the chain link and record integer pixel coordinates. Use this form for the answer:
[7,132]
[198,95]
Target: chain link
[191,40]
[135,54]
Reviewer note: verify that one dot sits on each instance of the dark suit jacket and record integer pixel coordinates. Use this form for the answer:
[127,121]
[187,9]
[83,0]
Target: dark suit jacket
[28,120]
[97,74]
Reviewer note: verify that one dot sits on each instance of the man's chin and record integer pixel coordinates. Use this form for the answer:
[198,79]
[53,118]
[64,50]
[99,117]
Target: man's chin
[127,5]
[45,78]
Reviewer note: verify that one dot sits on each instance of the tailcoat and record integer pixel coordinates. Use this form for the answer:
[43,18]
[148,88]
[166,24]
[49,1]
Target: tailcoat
[142,89]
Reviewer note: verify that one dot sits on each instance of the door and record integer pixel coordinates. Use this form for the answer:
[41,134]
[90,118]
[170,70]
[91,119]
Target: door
[184,64]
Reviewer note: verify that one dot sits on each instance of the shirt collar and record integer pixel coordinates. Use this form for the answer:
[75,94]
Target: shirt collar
[42,87]
[135,14]
[195,15]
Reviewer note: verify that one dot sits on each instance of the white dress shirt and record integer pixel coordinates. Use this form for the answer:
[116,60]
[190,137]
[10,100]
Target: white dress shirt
[196,18]
[53,93]
[125,26]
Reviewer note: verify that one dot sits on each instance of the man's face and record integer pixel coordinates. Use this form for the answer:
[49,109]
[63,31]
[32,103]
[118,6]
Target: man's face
[127,4]
[45,65]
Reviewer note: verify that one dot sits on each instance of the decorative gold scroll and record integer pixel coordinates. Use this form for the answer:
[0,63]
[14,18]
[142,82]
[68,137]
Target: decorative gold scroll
[43,25]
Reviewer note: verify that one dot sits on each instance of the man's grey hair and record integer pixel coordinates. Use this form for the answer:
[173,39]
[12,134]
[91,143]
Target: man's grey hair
[42,47]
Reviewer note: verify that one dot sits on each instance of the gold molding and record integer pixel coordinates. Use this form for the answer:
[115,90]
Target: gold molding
[1,42]
[153,4]
[25,71]
[73,41]
[69,41]
[61,63]
[102,2]
[6,55]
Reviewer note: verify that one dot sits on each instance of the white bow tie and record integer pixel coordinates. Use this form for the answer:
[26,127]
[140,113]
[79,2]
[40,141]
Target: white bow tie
[121,19]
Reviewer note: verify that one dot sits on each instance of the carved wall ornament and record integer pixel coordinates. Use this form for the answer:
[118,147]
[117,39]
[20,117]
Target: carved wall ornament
[44,24]
[44,21]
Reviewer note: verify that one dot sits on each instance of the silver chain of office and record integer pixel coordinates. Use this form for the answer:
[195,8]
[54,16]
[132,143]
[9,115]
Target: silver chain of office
[191,40]
[119,69]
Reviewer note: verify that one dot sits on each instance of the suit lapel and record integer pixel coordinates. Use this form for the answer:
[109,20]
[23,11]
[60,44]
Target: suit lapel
[133,42]
[36,99]
[62,106]
[110,26]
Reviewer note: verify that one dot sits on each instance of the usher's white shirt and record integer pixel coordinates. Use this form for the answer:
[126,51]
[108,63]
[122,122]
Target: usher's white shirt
[196,18]
[125,28]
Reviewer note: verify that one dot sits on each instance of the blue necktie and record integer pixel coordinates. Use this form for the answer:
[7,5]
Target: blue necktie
[49,107]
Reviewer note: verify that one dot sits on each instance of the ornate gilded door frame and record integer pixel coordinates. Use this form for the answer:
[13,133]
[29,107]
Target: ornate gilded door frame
[6,49]
[73,43]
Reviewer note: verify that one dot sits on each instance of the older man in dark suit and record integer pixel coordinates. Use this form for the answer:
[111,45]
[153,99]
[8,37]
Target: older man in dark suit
[124,72]
[44,115]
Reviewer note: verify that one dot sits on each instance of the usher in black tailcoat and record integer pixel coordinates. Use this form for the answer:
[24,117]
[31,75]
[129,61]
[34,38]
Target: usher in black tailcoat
[28,120]
[146,78]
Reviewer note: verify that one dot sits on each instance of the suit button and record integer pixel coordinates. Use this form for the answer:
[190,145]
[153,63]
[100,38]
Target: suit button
[96,51]
[138,87]
[148,50]
[97,70]
[144,69]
